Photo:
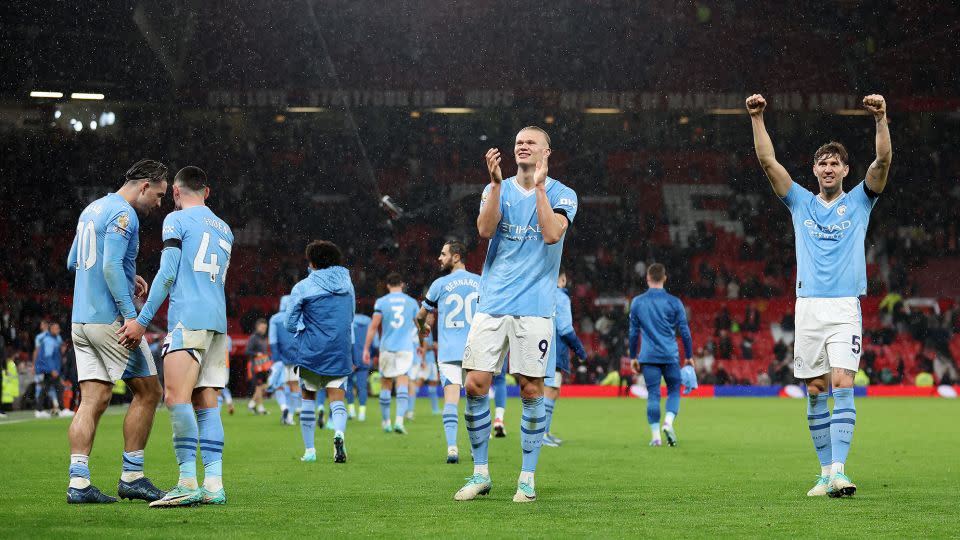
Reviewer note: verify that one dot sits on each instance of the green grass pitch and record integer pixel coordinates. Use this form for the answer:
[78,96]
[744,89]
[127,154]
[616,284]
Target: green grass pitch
[741,469]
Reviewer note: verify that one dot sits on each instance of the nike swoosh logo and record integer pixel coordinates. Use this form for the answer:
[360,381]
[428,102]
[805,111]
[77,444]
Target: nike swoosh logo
[528,451]
[821,447]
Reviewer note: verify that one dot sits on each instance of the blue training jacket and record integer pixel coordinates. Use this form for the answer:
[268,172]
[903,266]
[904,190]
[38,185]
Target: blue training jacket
[324,303]
[656,316]
[566,338]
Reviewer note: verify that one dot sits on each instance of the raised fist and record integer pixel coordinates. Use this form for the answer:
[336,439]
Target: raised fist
[875,104]
[756,104]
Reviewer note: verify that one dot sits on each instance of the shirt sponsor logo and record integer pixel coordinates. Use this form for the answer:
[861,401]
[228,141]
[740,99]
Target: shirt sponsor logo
[834,231]
[567,202]
[520,232]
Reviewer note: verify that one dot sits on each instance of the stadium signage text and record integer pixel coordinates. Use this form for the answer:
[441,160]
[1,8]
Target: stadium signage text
[566,100]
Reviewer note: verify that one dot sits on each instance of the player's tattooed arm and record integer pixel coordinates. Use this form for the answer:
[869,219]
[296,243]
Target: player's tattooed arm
[877,173]
[422,326]
[778,176]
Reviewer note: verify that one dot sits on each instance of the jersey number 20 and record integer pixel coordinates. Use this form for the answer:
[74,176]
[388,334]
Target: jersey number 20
[465,305]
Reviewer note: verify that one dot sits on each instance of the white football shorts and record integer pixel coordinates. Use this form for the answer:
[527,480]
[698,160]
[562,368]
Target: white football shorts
[100,357]
[395,363]
[207,347]
[829,334]
[529,340]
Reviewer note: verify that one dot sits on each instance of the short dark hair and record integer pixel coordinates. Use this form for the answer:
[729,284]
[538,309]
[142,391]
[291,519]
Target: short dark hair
[832,148]
[192,178]
[394,279]
[457,247]
[323,254]
[146,169]
[657,273]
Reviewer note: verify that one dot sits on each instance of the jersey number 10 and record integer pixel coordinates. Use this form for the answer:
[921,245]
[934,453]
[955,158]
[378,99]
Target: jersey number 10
[86,245]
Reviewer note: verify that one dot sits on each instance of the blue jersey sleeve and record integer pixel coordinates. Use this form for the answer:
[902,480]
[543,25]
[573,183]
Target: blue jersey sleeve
[684,328]
[273,333]
[72,257]
[378,306]
[796,197]
[860,196]
[486,195]
[295,308]
[169,263]
[172,227]
[432,299]
[564,318]
[565,201]
[634,328]
[116,240]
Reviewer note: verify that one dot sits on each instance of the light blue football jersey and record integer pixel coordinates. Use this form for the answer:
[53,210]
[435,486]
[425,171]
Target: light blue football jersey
[196,299]
[454,298]
[399,313]
[108,237]
[831,262]
[520,271]
[281,340]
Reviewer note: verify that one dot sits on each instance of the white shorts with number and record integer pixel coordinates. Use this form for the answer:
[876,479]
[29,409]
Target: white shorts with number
[529,340]
[207,347]
[290,373]
[313,382]
[395,363]
[451,373]
[829,334]
[100,357]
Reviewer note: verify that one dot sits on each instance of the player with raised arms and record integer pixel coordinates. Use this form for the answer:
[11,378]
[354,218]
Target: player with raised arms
[321,312]
[830,228]
[454,298]
[104,258]
[193,270]
[526,218]
[396,348]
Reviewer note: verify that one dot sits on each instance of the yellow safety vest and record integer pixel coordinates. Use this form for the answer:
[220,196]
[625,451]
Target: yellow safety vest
[11,382]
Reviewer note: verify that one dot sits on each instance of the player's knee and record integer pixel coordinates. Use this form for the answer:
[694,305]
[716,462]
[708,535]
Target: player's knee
[150,391]
[530,391]
[816,387]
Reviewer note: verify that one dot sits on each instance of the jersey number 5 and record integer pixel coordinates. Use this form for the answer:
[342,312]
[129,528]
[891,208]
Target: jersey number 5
[212,268]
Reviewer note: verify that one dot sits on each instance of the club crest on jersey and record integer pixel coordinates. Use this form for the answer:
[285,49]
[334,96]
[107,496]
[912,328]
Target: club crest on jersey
[841,210]
[123,221]
[798,363]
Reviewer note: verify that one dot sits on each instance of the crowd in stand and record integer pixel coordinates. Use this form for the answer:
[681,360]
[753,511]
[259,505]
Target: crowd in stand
[288,181]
